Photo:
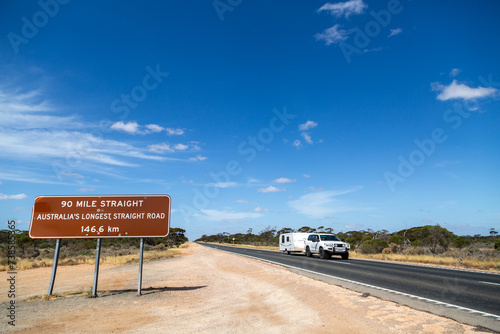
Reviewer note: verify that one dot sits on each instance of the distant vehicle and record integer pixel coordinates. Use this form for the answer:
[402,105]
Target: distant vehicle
[326,245]
[293,242]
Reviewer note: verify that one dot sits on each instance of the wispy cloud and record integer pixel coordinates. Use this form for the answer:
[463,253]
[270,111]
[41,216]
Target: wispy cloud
[33,130]
[226,184]
[174,132]
[454,72]
[307,125]
[322,203]
[137,129]
[259,209]
[461,91]
[164,147]
[284,180]
[217,215]
[270,189]
[395,32]
[241,201]
[333,35]
[154,128]
[198,157]
[306,137]
[345,9]
[18,196]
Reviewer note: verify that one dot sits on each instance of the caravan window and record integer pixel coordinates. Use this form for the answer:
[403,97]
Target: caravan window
[287,239]
[282,238]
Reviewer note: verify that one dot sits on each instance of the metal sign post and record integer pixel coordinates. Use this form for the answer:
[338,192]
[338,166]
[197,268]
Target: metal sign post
[100,217]
[139,285]
[54,266]
[96,271]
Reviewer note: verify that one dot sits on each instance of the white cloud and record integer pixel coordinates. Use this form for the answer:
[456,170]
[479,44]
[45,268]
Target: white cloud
[454,72]
[307,125]
[174,132]
[461,91]
[217,215]
[284,180]
[344,8]
[18,196]
[306,137]
[181,147]
[296,143]
[198,157]
[307,176]
[130,127]
[160,148]
[32,130]
[322,203]
[226,184]
[241,201]
[164,147]
[333,35]
[135,128]
[78,146]
[259,209]
[395,32]
[270,189]
[29,111]
[154,128]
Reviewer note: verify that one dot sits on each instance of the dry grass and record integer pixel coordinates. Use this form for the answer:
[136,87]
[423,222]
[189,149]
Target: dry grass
[56,296]
[465,262]
[24,264]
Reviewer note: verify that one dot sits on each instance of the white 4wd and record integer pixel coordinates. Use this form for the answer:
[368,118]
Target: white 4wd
[326,245]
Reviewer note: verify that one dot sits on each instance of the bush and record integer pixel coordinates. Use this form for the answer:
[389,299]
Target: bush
[461,242]
[160,247]
[417,243]
[395,239]
[373,246]
[497,243]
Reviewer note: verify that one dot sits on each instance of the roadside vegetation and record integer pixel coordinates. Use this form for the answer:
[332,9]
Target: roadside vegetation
[429,244]
[34,253]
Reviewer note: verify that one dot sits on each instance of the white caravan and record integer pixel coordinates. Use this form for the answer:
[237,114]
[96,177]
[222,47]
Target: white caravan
[293,242]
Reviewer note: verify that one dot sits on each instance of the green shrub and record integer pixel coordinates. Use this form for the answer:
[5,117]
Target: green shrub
[373,246]
[395,239]
[497,243]
[461,242]
[418,243]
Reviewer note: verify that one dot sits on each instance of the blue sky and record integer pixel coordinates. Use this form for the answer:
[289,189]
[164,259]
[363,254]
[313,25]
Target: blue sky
[350,115]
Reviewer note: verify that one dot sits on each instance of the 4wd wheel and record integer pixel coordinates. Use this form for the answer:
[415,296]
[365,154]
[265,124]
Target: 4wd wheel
[345,256]
[308,252]
[323,255]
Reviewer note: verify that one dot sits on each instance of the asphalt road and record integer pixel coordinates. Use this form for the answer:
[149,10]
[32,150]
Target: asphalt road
[471,292]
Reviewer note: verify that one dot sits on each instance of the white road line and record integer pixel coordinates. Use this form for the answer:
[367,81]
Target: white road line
[496,317]
[490,283]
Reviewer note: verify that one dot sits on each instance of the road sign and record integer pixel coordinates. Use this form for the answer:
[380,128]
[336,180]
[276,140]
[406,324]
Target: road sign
[100,216]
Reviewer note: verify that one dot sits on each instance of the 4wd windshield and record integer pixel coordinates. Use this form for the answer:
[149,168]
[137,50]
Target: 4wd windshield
[329,238]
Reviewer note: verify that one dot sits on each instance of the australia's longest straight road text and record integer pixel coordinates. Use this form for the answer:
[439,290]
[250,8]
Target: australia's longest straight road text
[470,290]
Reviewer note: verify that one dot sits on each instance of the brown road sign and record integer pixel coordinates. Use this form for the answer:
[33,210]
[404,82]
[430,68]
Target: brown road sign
[104,216]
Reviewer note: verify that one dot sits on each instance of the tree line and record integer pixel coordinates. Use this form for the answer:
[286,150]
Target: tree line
[26,247]
[434,238]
